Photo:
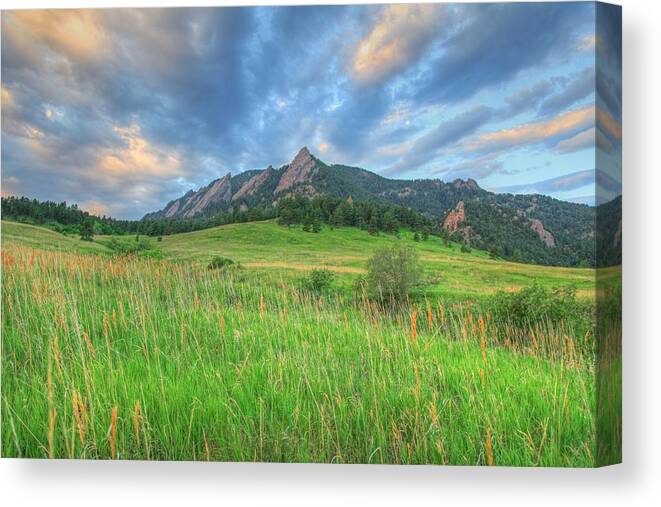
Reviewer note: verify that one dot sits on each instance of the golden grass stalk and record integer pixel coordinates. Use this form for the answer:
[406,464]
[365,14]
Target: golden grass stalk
[90,346]
[136,421]
[414,326]
[483,341]
[430,316]
[56,351]
[52,416]
[113,433]
[490,460]
[79,416]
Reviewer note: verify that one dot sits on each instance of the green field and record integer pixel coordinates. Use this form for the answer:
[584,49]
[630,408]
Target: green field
[109,356]
[288,253]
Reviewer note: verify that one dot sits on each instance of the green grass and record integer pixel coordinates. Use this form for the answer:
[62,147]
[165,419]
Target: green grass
[281,252]
[229,365]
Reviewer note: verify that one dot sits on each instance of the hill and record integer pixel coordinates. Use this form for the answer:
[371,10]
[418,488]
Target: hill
[281,252]
[527,228]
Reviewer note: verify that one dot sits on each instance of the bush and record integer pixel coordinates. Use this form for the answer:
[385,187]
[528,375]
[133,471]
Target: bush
[393,272]
[319,280]
[219,262]
[536,304]
[128,248]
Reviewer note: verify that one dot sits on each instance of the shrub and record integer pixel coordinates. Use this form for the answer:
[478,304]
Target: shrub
[319,280]
[128,248]
[465,248]
[219,262]
[393,272]
[536,304]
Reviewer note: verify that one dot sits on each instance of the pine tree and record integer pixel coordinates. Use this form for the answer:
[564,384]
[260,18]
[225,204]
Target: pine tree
[316,221]
[87,230]
[373,227]
[307,223]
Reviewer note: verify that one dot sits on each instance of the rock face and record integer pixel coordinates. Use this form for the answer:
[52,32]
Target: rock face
[300,170]
[469,184]
[254,184]
[454,218]
[537,226]
[195,203]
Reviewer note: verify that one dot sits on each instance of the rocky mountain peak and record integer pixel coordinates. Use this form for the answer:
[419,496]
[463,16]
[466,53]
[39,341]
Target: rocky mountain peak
[299,170]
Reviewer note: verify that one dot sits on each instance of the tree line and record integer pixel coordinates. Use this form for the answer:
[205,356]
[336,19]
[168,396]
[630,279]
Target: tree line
[70,219]
[374,217]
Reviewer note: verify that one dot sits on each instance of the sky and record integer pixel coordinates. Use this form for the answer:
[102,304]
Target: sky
[122,110]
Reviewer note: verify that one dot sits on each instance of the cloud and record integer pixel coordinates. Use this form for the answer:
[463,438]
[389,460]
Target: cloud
[480,167]
[608,124]
[132,107]
[606,184]
[396,40]
[426,147]
[76,33]
[581,141]
[563,125]
[564,183]
[581,85]
[137,156]
[493,42]
[603,143]
[527,98]
[587,42]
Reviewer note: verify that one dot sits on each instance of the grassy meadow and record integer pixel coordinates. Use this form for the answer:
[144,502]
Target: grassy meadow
[121,357]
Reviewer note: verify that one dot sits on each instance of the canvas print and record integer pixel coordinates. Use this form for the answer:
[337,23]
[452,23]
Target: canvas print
[380,234]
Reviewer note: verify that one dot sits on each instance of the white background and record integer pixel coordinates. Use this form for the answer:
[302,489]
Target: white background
[636,482]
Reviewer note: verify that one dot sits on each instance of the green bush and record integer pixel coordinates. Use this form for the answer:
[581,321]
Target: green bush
[219,262]
[393,272]
[536,304]
[128,248]
[319,280]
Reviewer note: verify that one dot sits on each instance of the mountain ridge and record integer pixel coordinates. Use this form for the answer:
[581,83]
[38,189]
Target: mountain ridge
[532,226]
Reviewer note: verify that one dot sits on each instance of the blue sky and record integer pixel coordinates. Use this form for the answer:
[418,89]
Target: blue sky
[121,110]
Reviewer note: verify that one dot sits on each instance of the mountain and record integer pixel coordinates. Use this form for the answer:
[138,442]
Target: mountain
[211,198]
[528,228]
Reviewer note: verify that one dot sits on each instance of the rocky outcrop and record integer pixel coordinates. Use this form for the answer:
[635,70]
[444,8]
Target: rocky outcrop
[299,171]
[194,203]
[171,209]
[218,191]
[254,184]
[537,226]
[454,218]
[469,184]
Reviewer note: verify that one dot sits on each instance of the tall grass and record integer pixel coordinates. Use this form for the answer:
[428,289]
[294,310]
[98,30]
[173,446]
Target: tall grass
[144,359]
